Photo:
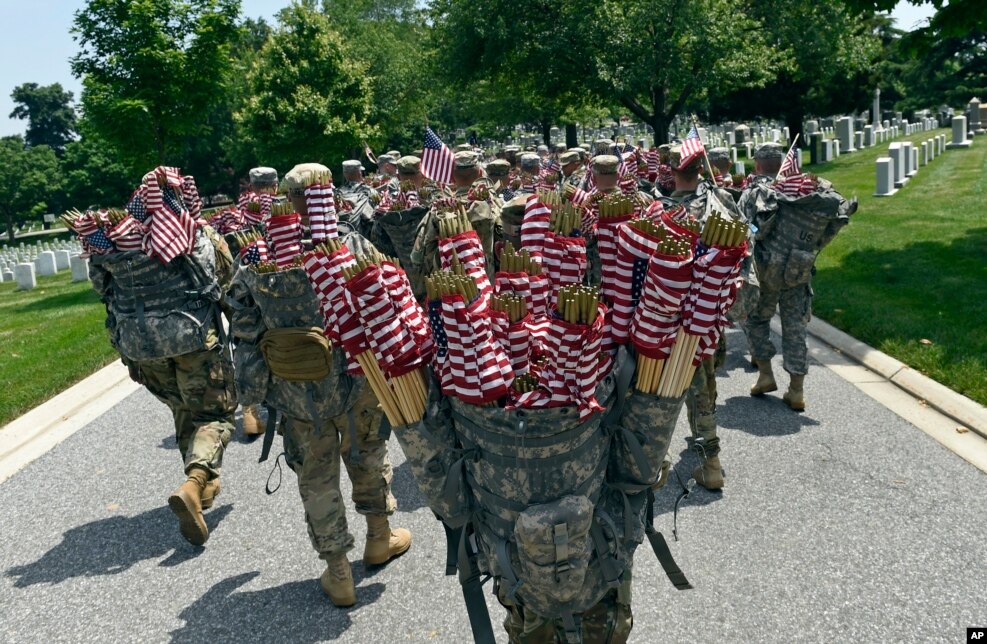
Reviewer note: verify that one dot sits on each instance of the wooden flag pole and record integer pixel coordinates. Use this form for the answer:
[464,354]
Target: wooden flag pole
[794,141]
[709,166]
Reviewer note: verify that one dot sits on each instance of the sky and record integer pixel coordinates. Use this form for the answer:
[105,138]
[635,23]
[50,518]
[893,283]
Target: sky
[37,44]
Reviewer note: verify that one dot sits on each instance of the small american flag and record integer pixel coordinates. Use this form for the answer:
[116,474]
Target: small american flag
[98,243]
[173,228]
[692,147]
[437,159]
[138,207]
[790,167]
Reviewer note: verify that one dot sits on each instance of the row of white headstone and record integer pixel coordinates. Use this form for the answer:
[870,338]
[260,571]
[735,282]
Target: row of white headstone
[902,163]
[25,263]
[849,140]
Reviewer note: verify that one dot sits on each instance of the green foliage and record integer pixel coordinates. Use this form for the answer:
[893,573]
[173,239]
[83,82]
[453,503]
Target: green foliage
[92,174]
[151,69]
[307,98]
[49,113]
[945,70]
[29,180]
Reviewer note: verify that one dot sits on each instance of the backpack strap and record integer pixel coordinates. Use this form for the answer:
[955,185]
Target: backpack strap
[660,547]
[469,578]
[272,423]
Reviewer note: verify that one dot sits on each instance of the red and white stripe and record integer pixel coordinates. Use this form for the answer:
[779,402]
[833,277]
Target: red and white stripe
[479,369]
[534,226]
[468,249]
[633,246]
[127,234]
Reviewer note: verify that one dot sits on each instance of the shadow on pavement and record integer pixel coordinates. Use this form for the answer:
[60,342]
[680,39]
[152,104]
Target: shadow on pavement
[295,612]
[405,489]
[112,545]
[761,416]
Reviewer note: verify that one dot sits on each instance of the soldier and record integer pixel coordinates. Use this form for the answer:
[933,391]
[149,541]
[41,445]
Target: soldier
[719,158]
[694,195]
[573,169]
[665,183]
[395,231]
[164,320]
[387,173]
[530,175]
[498,171]
[353,180]
[327,415]
[792,230]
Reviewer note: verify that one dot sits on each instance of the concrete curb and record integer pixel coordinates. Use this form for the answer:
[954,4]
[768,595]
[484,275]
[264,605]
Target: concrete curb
[956,406]
[39,430]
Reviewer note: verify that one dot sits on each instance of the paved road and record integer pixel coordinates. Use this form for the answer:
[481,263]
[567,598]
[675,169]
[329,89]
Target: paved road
[842,524]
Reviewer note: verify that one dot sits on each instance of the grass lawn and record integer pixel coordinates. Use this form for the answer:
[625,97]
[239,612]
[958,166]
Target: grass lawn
[50,338]
[909,274]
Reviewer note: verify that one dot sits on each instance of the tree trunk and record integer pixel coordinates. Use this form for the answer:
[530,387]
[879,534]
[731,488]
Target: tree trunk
[546,131]
[793,119]
[660,123]
[10,227]
[571,135]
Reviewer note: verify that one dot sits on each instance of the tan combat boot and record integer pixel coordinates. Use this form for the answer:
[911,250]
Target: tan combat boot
[794,397]
[384,544]
[708,473]
[337,581]
[209,493]
[252,426]
[186,503]
[765,379]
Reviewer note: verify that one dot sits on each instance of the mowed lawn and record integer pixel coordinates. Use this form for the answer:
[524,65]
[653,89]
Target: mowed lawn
[50,338]
[909,274]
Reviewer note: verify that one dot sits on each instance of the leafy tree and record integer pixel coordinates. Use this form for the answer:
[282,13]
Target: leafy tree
[945,69]
[92,174]
[651,57]
[307,98]
[151,69]
[49,113]
[28,179]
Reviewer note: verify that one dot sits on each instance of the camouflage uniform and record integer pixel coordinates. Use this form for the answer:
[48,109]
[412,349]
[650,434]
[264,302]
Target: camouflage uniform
[324,420]
[164,320]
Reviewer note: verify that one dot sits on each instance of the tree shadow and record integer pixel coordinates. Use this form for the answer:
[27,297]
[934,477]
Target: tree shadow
[86,297]
[404,487]
[295,612]
[761,416]
[113,545]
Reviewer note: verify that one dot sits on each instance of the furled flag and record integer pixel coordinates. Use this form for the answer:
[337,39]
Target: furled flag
[692,147]
[172,226]
[370,153]
[437,159]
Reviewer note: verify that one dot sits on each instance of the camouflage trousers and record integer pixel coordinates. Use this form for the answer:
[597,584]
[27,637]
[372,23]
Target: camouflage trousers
[700,403]
[198,388]
[608,622]
[314,455]
[794,306]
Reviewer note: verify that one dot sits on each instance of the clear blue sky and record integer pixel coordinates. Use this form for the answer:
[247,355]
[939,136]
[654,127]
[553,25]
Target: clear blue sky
[37,44]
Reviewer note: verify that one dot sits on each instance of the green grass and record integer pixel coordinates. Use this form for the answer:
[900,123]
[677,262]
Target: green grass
[909,274]
[50,338]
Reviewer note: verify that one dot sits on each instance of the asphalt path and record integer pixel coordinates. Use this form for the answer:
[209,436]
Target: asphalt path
[843,524]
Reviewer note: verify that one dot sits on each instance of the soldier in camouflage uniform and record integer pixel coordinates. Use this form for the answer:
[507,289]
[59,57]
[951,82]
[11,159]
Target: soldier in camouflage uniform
[693,194]
[719,158]
[165,321]
[791,232]
[285,361]
[387,174]
[572,168]
[395,233]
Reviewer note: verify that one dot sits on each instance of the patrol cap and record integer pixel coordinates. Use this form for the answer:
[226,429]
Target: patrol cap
[769,151]
[675,160]
[352,165]
[394,154]
[717,155]
[498,168]
[665,147]
[602,145]
[466,159]
[559,147]
[409,165]
[605,164]
[464,147]
[263,176]
[570,156]
[530,161]
[418,153]
[512,148]
[542,148]
[384,158]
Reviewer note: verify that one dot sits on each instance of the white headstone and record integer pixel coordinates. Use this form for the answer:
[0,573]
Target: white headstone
[844,130]
[739,168]
[858,139]
[24,275]
[897,154]
[914,152]
[885,177]
[869,136]
[45,263]
[976,127]
[931,147]
[959,133]
[925,153]
[80,268]
[733,155]
[837,148]
[62,259]
[8,275]
[910,170]
[875,117]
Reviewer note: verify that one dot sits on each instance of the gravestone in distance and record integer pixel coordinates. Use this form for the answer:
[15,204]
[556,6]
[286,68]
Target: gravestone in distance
[959,133]
[844,131]
[62,259]
[24,276]
[885,177]
[80,268]
[45,263]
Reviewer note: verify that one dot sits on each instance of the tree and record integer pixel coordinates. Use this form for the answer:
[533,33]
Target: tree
[307,98]
[92,174]
[944,69]
[49,113]
[151,69]
[28,179]
[651,57]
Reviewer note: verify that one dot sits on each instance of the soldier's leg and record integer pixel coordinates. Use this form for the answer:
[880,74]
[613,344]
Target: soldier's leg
[796,311]
[314,456]
[758,330]
[369,468]
[701,408]
[205,379]
[161,379]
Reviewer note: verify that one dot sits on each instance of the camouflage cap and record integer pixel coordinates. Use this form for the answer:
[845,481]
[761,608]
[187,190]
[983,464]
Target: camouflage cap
[718,155]
[603,145]
[559,147]
[499,168]
[394,154]
[263,176]
[665,147]
[570,156]
[675,160]
[352,165]
[409,165]
[296,178]
[385,158]
[605,164]
[464,147]
[542,148]
[530,161]
[769,151]
[418,153]
[466,159]
[512,148]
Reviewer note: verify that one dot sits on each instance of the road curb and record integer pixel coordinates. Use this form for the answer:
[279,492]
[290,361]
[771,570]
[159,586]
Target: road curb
[954,405]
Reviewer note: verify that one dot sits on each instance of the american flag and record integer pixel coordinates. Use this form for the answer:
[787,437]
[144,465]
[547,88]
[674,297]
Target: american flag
[692,147]
[98,242]
[790,167]
[138,206]
[437,159]
[256,252]
[172,226]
